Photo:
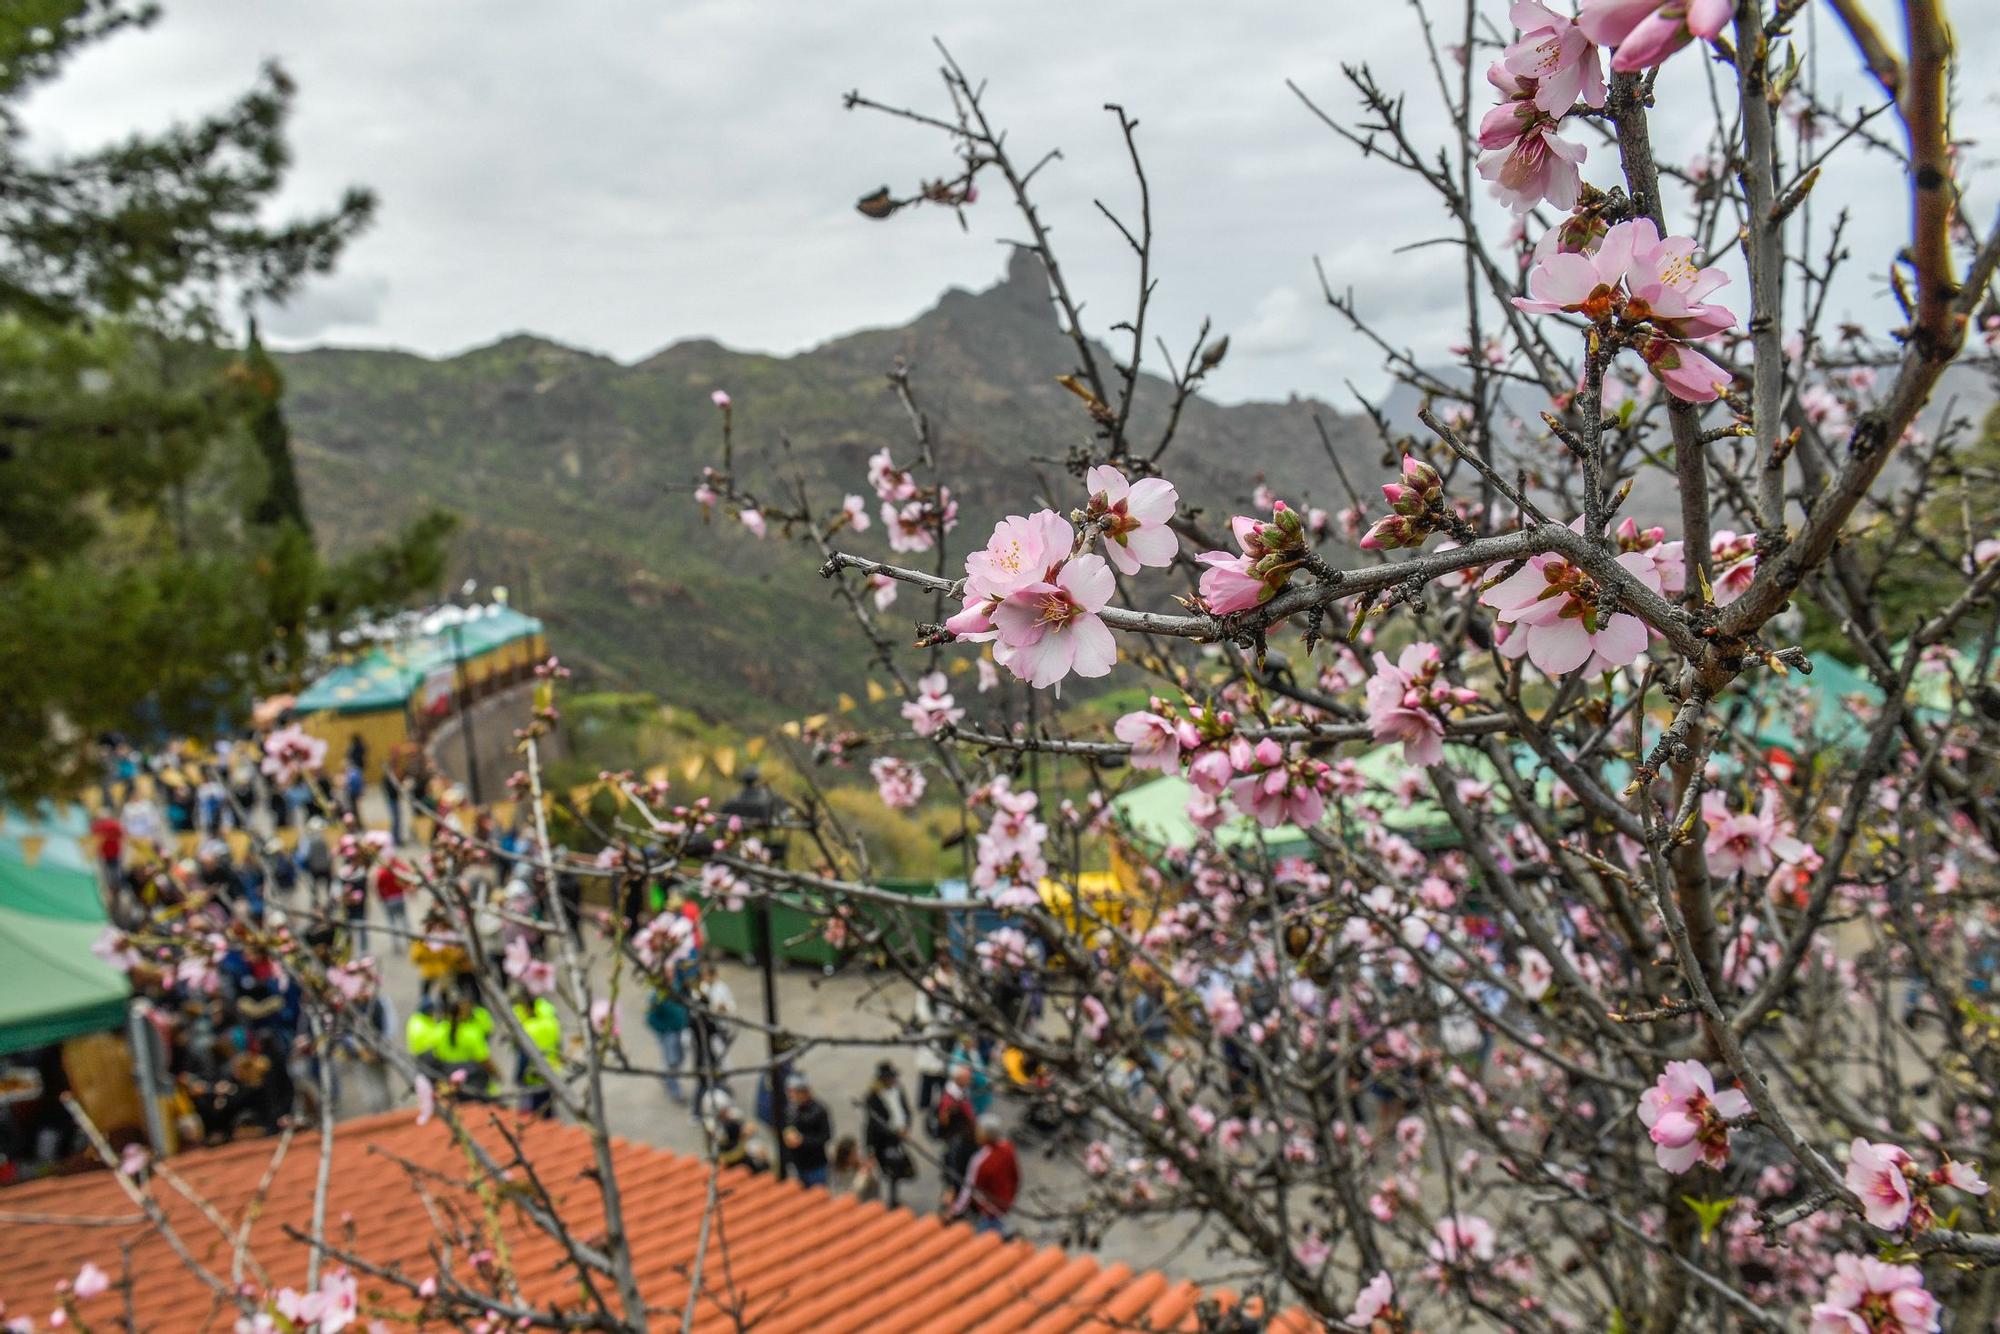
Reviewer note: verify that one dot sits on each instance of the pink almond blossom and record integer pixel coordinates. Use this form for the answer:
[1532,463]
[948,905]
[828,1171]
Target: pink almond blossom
[1733,557]
[1525,159]
[1133,517]
[1646,32]
[899,783]
[1375,1305]
[1407,701]
[753,520]
[90,1281]
[1051,628]
[1549,609]
[1688,1117]
[1554,52]
[1155,742]
[1271,551]
[721,399]
[1879,1174]
[1871,1296]
[933,708]
[1752,841]
[1462,1238]
[536,976]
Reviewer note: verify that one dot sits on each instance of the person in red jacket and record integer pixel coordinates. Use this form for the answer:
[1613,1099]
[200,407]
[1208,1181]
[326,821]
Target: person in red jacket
[992,1179]
[392,887]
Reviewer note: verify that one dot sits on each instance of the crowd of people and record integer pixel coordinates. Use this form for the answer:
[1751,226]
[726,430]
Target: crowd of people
[225,1047]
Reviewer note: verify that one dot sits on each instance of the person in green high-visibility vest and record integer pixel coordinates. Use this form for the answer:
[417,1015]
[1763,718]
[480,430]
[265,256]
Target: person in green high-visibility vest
[421,1033]
[465,1043]
[544,1028]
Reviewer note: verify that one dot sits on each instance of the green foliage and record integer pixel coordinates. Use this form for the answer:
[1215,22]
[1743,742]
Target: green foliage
[1962,510]
[155,563]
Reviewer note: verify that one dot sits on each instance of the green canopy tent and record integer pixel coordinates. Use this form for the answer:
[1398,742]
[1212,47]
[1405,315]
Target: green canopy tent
[52,987]
[1157,811]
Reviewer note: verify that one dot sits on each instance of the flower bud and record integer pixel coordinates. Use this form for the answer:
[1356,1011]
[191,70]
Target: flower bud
[1423,477]
[1388,534]
[1404,500]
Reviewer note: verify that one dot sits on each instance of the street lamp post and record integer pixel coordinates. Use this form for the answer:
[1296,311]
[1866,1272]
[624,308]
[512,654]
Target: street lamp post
[761,810]
[460,686]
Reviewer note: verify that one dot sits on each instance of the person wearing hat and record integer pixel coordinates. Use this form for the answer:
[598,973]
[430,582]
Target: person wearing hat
[808,1130]
[887,1112]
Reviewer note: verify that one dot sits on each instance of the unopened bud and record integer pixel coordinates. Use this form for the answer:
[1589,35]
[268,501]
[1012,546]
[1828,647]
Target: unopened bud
[1405,500]
[1388,534]
[1423,477]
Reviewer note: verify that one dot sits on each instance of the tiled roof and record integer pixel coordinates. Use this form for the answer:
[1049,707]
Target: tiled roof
[798,1259]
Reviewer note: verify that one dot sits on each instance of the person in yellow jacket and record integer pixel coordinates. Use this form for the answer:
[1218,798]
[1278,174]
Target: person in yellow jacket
[544,1028]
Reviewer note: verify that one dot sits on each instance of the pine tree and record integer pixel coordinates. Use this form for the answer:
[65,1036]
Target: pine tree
[155,564]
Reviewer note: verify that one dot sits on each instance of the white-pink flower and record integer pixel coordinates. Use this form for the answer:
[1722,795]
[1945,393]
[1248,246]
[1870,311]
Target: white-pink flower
[933,708]
[1549,608]
[883,589]
[1533,973]
[1021,551]
[1154,740]
[720,398]
[1752,841]
[1133,518]
[290,752]
[854,513]
[1311,1249]
[1462,1238]
[1688,1118]
[1376,1301]
[1553,52]
[1051,629]
[890,482]
[536,976]
[90,1281]
[898,783]
[1878,1174]
[1733,557]
[1525,158]
[1407,700]
[1870,1296]
[752,520]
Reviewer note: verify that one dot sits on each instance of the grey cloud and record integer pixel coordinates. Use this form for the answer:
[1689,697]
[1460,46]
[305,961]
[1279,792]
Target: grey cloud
[341,305]
[625,173]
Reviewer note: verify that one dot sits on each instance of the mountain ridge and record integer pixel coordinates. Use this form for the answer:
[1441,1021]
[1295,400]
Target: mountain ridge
[573,471]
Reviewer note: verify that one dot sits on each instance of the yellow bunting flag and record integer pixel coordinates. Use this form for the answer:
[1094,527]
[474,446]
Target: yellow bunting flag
[725,760]
[503,813]
[31,848]
[691,767]
[754,747]
[658,775]
[846,702]
[288,838]
[876,694]
[239,846]
[817,721]
[581,794]
[185,844]
[959,666]
[792,728]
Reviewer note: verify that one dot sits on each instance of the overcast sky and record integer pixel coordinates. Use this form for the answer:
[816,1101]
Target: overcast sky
[621,174]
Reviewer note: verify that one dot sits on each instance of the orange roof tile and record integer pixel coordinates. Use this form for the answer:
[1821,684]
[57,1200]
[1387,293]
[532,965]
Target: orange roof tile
[796,1259]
